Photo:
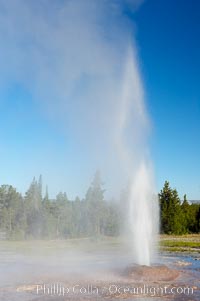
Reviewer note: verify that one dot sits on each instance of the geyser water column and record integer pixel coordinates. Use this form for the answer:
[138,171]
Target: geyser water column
[143,213]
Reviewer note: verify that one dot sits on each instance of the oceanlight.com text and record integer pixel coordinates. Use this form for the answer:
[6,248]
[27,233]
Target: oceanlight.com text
[58,289]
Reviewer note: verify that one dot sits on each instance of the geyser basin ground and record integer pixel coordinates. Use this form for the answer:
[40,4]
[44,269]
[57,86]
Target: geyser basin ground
[96,270]
[151,273]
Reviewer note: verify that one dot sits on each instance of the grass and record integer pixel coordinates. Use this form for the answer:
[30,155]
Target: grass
[184,243]
[172,243]
[48,247]
[169,243]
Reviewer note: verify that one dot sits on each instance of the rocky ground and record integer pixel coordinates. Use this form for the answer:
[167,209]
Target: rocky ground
[102,273]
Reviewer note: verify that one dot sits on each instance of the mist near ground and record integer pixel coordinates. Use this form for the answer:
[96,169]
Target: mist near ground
[38,262]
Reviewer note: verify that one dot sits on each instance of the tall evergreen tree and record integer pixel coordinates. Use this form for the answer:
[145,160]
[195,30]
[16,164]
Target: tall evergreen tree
[170,210]
[33,206]
[95,204]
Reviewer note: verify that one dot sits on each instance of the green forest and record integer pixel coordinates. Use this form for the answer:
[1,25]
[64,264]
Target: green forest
[34,216]
[177,217]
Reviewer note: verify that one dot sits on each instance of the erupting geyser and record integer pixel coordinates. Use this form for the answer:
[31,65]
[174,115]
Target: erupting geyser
[143,215]
[143,204]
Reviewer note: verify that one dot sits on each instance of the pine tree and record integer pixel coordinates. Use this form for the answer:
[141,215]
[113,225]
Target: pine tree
[95,205]
[185,206]
[170,210]
[33,206]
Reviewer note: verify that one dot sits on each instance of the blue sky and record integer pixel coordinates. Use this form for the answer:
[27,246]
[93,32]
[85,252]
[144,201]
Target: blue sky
[168,39]
[60,65]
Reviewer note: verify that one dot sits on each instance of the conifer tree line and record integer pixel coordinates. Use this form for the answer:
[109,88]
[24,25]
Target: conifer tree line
[177,217]
[34,216]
